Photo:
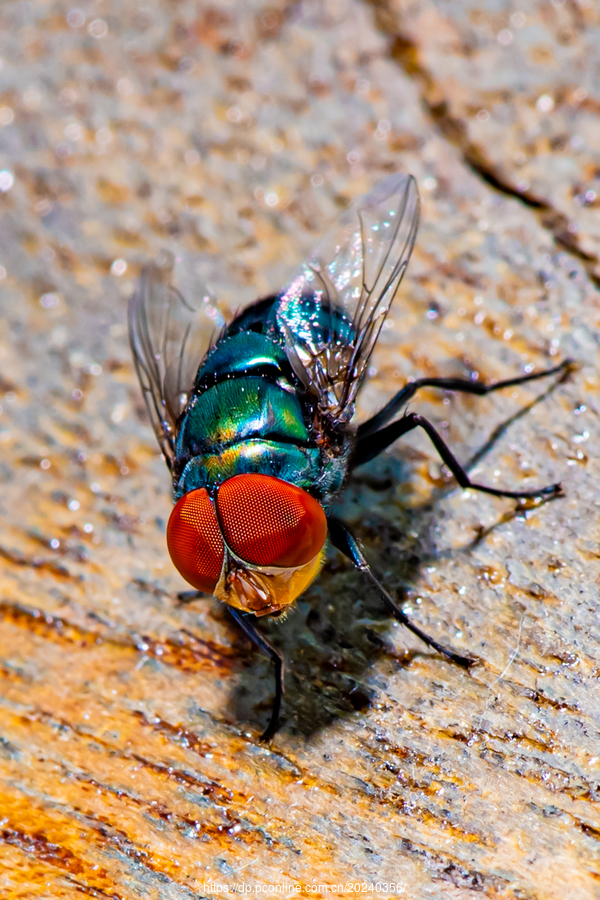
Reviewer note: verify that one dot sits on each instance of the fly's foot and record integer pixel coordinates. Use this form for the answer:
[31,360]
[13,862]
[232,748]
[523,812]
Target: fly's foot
[553,490]
[542,496]
[465,662]
[569,367]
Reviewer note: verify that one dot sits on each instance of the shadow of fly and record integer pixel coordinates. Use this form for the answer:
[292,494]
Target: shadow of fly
[255,418]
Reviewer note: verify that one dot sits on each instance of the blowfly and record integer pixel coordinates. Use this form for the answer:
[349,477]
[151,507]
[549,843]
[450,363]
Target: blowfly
[255,422]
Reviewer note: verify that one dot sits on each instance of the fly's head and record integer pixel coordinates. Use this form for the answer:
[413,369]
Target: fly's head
[256,545]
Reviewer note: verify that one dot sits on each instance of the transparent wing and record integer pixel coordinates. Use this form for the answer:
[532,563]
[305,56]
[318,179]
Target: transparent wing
[169,337]
[333,310]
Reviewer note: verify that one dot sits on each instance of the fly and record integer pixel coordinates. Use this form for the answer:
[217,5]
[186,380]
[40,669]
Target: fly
[255,424]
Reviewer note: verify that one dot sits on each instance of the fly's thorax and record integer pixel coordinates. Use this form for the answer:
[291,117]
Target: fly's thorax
[297,465]
[241,409]
[256,543]
[250,425]
[315,469]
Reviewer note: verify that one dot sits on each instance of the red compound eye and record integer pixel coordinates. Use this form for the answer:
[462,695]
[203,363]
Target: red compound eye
[268,522]
[194,540]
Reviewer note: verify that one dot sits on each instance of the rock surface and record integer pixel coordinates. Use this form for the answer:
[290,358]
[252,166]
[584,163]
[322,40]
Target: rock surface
[232,134]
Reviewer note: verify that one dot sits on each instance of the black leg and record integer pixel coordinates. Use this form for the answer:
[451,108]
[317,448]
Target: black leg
[370,446]
[451,384]
[342,539]
[246,624]
[184,597]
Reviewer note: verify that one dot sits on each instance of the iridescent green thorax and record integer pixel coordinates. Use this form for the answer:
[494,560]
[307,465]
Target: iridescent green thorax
[249,414]
[239,409]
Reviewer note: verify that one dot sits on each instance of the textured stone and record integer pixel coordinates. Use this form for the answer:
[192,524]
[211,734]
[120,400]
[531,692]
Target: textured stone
[232,135]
